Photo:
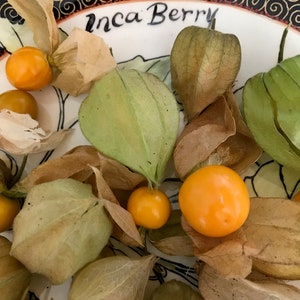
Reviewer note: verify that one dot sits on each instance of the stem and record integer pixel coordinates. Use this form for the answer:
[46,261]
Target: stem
[213,24]
[282,44]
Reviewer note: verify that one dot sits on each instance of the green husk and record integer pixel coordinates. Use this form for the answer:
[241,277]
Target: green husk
[132,117]
[271,107]
[61,227]
[204,64]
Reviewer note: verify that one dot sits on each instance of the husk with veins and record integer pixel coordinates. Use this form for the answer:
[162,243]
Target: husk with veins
[78,60]
[268,241]
[40,19]
[86,164]
[20,134]
[256,286]
[218,135]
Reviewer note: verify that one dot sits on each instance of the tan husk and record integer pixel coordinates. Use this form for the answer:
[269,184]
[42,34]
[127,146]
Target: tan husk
[273,227]
[240,150]
[268,241]
[78,59]
[20,134]
[218,135]
[117,277]
[81,59]
[14,277]
[77,163]
[202,136]
[40,19]
[255,286]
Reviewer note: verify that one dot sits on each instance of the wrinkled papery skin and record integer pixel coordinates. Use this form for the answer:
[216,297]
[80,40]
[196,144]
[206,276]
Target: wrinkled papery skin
[204,64]
[116,277]
[14,277]
[61,227]
[255,286]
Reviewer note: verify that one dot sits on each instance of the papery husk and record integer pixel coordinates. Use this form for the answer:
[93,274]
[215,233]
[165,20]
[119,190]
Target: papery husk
[61,227]
[138,117]
[14,277]
[20,134]
[175,290]
[268,241]
[273,227]
[79,66]
[125,229]
[218,135]
[229,255]
[212,286]
[204,64]
[76,163]
[40,19]
[117,277]
[202,136]
[240,150]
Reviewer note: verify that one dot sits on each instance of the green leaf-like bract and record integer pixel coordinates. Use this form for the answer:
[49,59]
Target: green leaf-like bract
[132,117]
[61,227]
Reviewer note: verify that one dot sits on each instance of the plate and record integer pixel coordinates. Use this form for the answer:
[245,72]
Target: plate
[141,35]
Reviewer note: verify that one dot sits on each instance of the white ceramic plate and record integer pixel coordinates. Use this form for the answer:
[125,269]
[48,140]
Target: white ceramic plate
[147,29]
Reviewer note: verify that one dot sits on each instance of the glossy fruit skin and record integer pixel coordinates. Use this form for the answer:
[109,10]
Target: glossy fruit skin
[9,208]
[214,200]
[20,102]
[28,69]
[150,208]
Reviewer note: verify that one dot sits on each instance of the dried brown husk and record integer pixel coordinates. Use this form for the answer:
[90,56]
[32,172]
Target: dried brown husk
[202,136]
[86,164]
[229,255]
[20,134]
[204,64]
[76,66]
[117,277]
[273,227]
[79,66]
[218,135]
[14,277]
[76,163]
[61,227]
[240,150]
[125,229]
[268,241]
[213,286]
[40,19]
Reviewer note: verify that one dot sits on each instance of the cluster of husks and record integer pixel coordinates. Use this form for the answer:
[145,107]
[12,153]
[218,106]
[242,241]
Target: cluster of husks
[204,65]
